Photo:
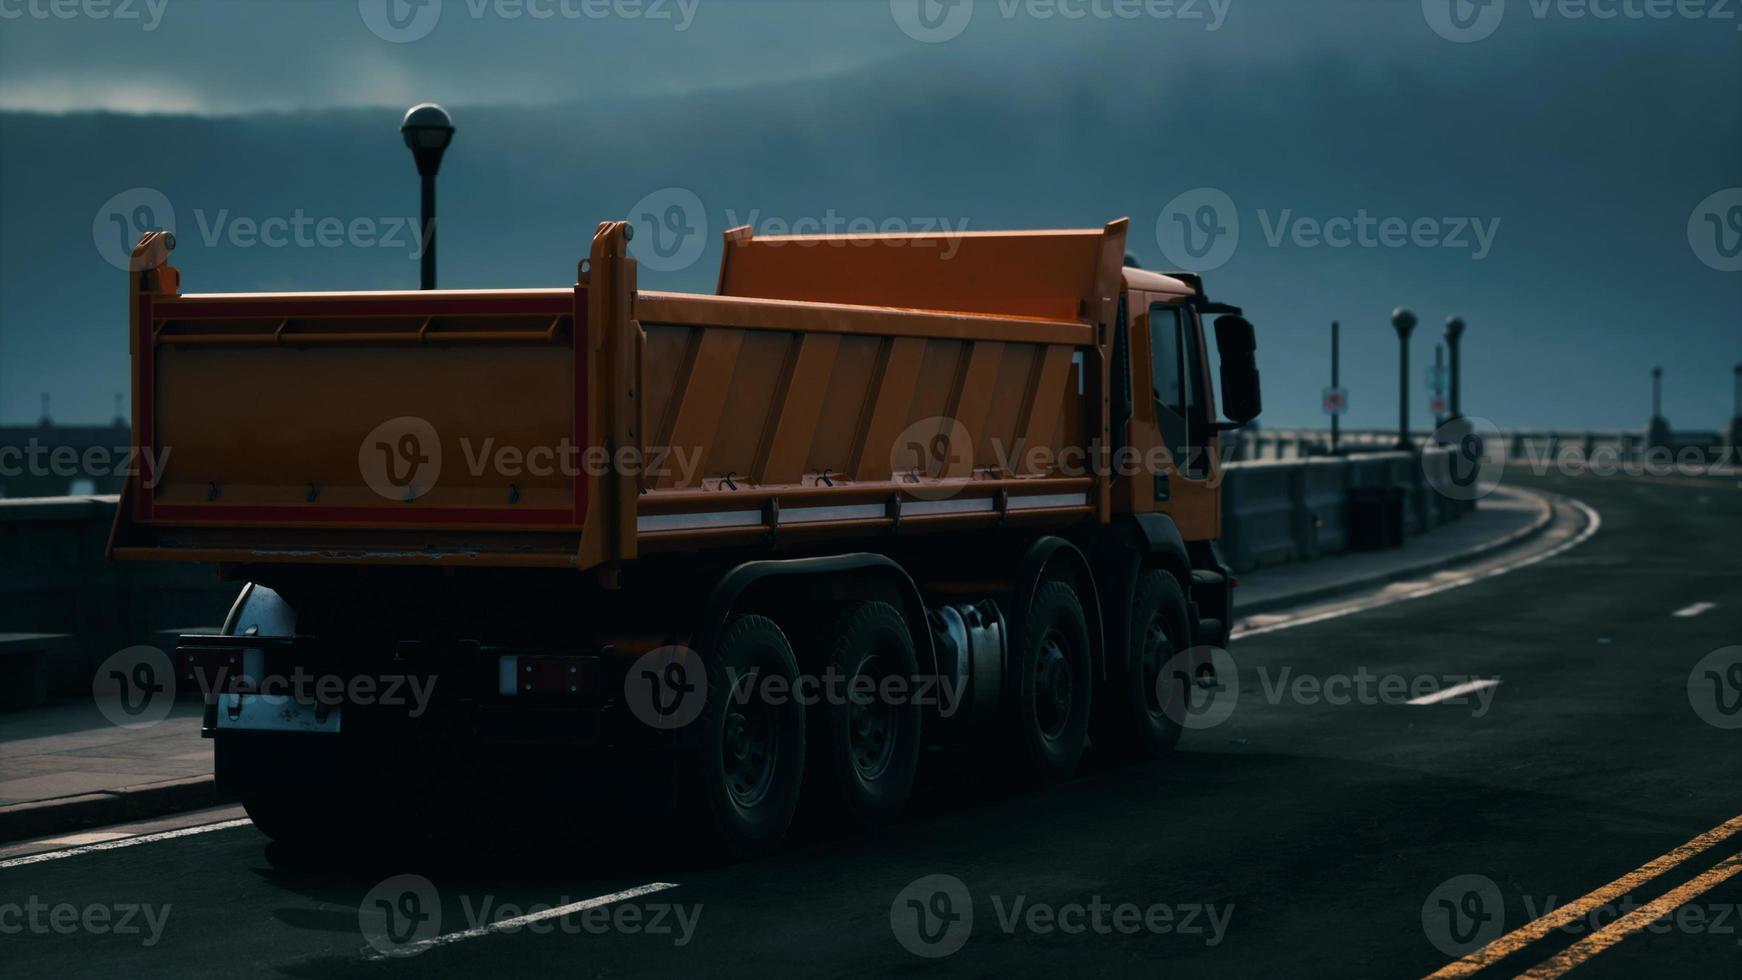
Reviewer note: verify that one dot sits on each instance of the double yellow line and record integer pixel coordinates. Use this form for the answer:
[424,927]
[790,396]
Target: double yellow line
[1621,928]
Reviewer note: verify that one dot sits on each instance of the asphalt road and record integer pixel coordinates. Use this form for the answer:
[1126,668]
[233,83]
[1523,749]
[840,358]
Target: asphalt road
[1315,831]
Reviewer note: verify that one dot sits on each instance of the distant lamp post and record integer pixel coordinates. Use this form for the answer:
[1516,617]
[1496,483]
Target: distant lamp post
[428,130]
[1736,411]
[1403,321]
[1657,431]
[1454,338]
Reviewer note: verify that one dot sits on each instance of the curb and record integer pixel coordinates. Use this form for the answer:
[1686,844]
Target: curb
[40,818]
[1544,518]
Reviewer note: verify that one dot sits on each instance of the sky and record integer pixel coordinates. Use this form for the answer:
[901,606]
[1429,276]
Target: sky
[1566,183]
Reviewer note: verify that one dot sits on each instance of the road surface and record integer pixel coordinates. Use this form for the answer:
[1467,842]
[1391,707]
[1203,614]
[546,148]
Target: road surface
[1322,828]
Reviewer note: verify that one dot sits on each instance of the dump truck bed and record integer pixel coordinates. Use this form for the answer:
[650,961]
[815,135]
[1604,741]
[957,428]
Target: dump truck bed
[590,424]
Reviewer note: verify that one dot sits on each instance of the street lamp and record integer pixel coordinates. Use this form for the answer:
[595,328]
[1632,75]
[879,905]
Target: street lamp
[1657,431]
[1736,412]
[1403,321]
[428,130]
[1454,337]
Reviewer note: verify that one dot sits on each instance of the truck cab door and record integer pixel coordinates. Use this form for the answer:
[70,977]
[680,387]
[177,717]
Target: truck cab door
[1180,403]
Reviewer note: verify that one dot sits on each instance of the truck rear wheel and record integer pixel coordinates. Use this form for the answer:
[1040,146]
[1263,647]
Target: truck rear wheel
[741,762]
[1049,685]
[864,747]
[1137,715]
[308,796]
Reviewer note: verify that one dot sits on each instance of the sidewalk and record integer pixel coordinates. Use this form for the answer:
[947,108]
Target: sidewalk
[65,766]
[1502,519]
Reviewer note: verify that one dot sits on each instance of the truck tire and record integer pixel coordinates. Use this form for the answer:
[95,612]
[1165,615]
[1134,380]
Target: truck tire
[740,763]
[306,797]
[864,752]
[1048,685]
[1137,714]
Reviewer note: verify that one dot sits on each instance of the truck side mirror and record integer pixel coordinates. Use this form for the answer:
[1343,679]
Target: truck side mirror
[1242,400]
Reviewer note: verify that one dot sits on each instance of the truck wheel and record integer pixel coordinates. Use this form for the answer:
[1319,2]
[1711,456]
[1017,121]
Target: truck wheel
[1049,682]
[864,751]
[741,762]
[300,796]
[1137,713]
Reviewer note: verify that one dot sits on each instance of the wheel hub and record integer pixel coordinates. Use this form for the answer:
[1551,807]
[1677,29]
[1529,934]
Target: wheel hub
[1054,683]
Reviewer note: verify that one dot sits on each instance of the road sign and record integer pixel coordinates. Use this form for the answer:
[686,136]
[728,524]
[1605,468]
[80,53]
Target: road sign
[1437,406]
[1336,401]
[1437,376]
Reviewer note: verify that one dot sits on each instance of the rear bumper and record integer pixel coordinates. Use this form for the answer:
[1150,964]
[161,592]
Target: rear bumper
[463,692]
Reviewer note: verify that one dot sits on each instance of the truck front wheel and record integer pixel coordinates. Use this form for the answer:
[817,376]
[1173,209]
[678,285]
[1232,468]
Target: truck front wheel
[1049,685]
[1140,709]
[741,762]
[865,723]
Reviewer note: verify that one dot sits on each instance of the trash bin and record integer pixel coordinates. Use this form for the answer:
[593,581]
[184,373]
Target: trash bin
[1375,518]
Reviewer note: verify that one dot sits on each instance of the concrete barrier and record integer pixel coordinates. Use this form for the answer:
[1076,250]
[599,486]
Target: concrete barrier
[1276,511]
[54,578]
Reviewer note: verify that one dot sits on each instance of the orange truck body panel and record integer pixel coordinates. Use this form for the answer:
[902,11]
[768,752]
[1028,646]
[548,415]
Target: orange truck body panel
[840,387]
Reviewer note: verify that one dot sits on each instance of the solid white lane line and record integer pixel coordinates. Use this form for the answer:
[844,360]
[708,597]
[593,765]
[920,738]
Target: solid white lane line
[110,845]
[504,925]
[1456,691]
[1592,522]
[1694,610]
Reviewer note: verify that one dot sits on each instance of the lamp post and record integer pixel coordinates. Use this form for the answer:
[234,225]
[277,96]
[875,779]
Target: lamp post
[1454,338]
[1657,431]
[428,130]
[1337,380]
[1403,321]
[1736,412]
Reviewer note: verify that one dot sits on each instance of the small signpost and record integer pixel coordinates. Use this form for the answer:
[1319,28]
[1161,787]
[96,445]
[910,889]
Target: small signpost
[1336,401]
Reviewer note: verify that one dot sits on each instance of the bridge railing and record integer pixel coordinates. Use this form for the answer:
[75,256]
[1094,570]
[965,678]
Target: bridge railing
[1624,445]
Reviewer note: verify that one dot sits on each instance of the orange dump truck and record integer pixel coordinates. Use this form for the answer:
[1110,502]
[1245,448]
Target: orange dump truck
[874,494]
